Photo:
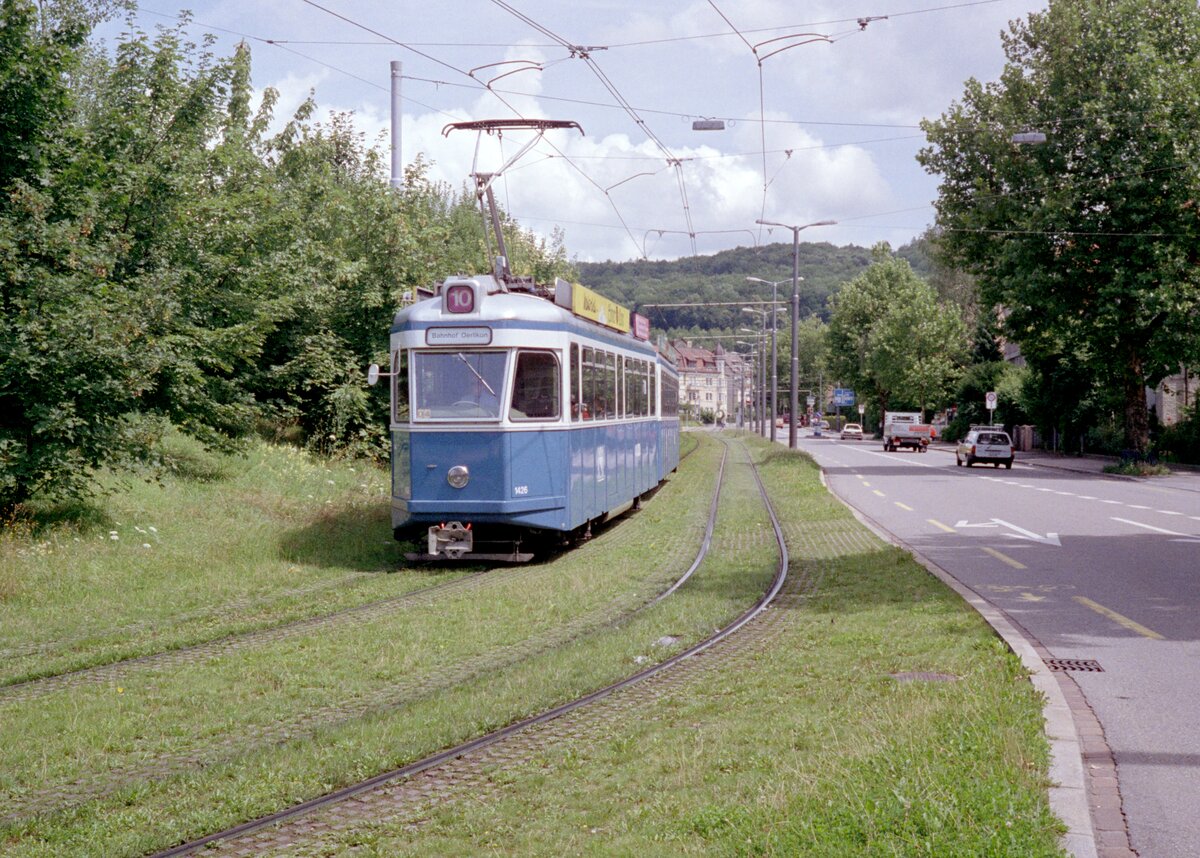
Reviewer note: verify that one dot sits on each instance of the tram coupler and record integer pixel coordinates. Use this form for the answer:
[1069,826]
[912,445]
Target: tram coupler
[451,540]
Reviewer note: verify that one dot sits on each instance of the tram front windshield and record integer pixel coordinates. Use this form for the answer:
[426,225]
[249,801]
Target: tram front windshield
[462,385]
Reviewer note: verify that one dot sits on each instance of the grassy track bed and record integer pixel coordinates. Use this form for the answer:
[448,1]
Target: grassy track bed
[227,546]
[810,745]
[194,748]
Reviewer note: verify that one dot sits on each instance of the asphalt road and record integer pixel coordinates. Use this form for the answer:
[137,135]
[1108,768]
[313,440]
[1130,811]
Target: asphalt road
[1094,568]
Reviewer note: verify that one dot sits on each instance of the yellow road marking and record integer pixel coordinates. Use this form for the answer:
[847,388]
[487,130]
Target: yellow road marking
[944,527]
[1030,597]
[902,506]
[878,492]
[1004,558]
[1118,618]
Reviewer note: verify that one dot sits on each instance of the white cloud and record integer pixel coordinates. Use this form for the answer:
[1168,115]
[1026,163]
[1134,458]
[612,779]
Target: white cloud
[827,100]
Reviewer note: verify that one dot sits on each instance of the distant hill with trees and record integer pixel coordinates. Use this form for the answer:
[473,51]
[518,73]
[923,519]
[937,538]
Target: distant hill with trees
[717,284]
[710,281]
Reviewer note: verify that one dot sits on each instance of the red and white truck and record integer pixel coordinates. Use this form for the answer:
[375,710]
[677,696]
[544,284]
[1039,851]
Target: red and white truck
[905,429]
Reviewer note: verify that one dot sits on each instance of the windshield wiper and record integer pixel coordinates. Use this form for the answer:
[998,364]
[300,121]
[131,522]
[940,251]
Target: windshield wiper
[477,375]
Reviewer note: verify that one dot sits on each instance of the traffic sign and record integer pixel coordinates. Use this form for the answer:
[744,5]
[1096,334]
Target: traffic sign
[989,400]
[843,396]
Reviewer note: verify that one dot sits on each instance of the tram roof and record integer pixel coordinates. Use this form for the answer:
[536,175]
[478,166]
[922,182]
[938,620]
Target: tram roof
[498,304]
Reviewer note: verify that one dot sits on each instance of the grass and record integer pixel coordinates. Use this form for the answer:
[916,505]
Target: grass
[436,677]
[812,748]
[1138,469]
[853,762]
[279,537]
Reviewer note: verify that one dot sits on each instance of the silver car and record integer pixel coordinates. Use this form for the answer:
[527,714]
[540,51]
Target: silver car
[852,431]
[986,444]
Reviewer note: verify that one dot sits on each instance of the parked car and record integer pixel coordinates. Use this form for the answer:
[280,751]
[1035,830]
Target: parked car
[985,444]
[852,431]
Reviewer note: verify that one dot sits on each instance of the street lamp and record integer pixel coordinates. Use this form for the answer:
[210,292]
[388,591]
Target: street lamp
[795,313]
[774,284]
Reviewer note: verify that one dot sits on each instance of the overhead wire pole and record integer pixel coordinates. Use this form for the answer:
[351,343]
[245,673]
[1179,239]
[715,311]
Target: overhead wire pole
[761,337]
[397,113]
[774,284]
[748,359]
[795,315]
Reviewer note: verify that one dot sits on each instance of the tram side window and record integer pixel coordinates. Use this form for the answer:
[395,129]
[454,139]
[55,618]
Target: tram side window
[400,386]
[536,387]
[574,370]
[633,382]
[587,403]
[653,391]
[637,389]
[670,396]
[610,385]
[622,391]
[644,390]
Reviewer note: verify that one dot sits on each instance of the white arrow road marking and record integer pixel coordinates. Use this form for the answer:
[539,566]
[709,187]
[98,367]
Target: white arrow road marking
[1022,533]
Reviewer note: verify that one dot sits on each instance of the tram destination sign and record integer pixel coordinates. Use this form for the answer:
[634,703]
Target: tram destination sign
[472,336]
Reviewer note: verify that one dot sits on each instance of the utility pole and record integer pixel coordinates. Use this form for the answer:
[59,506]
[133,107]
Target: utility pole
[795,313]
[774,284]
[397,114]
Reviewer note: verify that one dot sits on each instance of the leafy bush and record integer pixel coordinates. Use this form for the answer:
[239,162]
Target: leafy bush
[165,263]
[1107,437]
[1180,442]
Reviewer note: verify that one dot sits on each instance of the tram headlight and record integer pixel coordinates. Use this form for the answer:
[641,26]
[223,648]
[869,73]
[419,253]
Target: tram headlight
[458,476]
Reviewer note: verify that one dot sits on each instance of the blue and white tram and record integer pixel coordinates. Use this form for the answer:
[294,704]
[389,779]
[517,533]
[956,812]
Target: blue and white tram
[515,418]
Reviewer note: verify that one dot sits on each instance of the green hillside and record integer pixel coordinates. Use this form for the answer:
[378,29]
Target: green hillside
[711,280]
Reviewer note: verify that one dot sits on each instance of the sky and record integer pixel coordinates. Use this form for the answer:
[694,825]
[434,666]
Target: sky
[821,113]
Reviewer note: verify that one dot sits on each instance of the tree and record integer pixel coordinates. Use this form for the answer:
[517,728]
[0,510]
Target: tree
[1089,242]
[812,340]
[916,348]
[34,96]
[68,383]
[890,339]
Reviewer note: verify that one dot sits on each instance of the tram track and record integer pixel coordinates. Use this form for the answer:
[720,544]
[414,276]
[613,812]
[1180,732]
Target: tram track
[303,726]
[30,689]
[424,783]
[157,625]
[197,653]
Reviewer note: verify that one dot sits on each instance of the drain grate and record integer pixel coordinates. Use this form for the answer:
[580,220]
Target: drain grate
[1085,664]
